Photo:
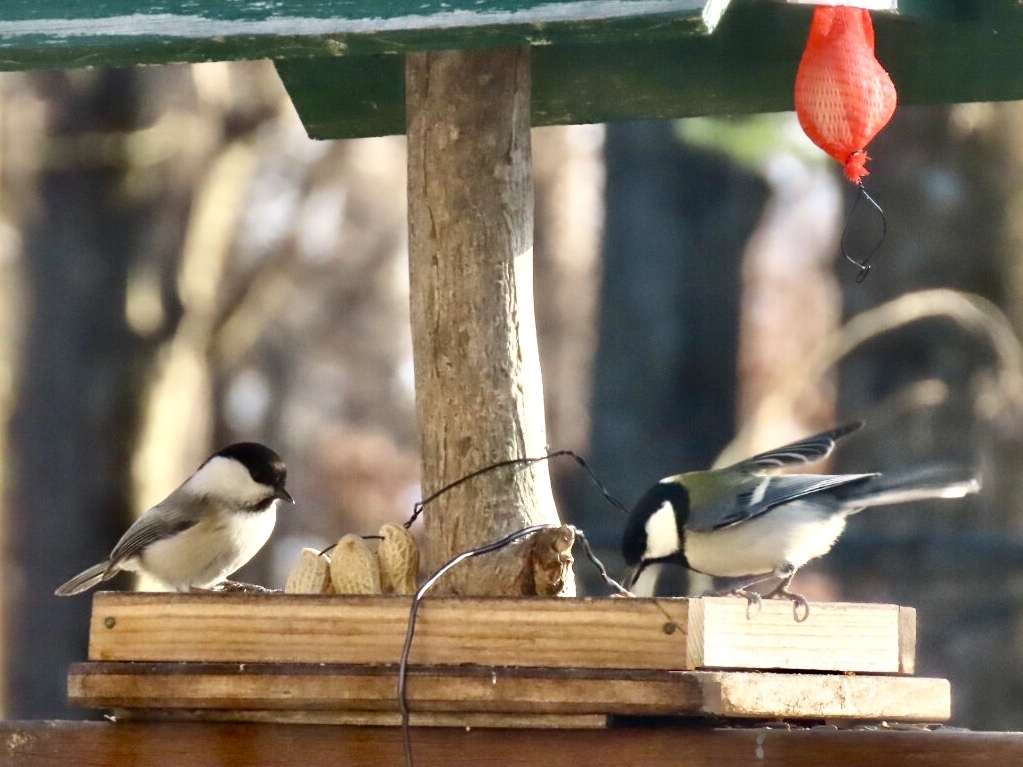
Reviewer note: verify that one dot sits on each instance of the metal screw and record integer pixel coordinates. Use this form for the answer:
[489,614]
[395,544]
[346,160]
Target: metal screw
[110,622]
[669,627]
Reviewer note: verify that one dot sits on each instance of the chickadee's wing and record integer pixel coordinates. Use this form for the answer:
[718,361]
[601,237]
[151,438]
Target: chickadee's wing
[174,515]
[758,494]
[805,451]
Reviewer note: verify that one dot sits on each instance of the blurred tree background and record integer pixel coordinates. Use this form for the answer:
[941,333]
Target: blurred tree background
[181,267]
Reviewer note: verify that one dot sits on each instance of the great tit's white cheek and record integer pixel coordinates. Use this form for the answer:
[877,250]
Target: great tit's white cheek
[661,533]
[226,478]
[794,533]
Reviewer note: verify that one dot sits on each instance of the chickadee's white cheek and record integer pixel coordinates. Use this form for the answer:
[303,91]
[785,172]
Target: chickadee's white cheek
[226,478]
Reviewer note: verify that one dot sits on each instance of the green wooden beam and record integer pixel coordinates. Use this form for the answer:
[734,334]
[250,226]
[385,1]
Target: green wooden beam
[747,65]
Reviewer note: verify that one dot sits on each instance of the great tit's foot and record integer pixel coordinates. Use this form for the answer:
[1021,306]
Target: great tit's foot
[753,599]
[743,590]
[800,606]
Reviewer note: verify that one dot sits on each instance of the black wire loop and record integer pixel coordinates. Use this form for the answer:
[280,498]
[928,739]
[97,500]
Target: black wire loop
[417,600]
[864,264]
[420,505]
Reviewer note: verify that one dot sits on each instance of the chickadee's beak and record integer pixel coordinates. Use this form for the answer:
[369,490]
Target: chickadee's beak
[284,495]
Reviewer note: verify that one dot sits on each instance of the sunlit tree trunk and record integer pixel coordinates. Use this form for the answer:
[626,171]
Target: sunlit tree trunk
[478,385]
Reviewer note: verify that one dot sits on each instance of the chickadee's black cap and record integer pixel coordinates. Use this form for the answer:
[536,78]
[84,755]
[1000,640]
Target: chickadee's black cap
[264,465]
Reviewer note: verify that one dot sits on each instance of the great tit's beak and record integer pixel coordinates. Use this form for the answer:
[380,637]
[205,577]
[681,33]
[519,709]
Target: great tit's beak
[284,495]
[632,576]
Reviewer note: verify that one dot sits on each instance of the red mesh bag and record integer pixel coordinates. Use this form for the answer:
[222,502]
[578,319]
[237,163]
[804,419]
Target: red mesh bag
[843,95]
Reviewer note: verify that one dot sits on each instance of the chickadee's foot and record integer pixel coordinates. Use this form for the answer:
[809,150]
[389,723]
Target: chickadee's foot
[236,587]
[800,606]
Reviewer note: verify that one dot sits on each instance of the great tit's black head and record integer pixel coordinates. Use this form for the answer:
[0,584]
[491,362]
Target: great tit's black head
[264,466]
[652,533]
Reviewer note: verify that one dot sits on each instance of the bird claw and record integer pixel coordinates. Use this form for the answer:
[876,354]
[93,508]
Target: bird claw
[752,598]
[800,605]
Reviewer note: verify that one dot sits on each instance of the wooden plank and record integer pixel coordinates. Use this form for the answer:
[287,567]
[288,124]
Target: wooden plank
[436,689]
[907,640]
[367,718]
[229,689]
[100,744]
[558,633]
[856,640]
[827,696]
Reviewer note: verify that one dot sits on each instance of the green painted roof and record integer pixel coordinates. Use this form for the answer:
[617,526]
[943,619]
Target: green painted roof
[593,60]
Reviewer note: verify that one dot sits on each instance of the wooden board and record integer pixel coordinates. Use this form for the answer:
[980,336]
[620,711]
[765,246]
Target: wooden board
[465,720]
[665,634]
[227,690]
[100,744]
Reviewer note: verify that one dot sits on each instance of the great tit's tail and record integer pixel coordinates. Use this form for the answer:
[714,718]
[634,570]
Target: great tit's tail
[86,579]
[919,484]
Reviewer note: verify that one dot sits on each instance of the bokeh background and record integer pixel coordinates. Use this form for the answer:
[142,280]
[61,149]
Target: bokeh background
[181,267]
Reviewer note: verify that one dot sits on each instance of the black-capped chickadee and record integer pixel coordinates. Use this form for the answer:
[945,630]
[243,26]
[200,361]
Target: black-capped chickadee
[740,522]
[206,529]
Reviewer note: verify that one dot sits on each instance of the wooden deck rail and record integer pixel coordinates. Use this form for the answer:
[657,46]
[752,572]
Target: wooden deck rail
[153,744]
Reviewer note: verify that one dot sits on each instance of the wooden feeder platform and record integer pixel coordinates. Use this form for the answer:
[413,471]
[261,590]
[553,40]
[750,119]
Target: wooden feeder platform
[500,662]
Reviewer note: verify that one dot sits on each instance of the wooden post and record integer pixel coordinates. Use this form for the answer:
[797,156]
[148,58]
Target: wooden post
[479,392]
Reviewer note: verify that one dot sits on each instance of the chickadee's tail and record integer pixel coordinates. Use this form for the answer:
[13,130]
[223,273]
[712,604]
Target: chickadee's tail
[920,484]
[85,580]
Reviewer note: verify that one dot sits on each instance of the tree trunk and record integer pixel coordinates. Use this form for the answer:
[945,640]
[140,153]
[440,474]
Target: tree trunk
[479,392]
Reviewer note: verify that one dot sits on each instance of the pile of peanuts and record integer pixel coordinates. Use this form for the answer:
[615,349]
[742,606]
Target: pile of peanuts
[354,568]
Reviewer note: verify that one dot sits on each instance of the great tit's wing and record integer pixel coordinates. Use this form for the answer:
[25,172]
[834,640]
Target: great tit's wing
[805,451]
[172,516]
[758,494]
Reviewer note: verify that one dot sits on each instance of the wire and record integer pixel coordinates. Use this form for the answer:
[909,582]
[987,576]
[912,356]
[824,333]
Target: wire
[591,555]
[417,599]
[420,505]
[864,263]
[593,478]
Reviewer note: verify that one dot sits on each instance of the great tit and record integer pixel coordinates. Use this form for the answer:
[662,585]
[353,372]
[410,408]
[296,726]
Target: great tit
[206,529]
[741,522]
